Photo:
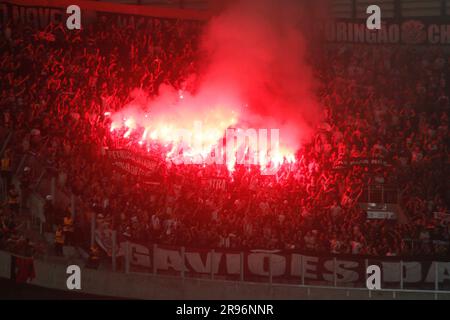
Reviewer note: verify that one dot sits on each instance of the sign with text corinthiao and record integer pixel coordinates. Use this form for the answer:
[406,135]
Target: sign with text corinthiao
[129,162]
[413,32]
[289,265]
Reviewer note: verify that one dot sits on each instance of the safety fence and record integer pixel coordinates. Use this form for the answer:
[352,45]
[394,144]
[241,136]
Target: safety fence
[44,178]
[275,266]
[379,193]
[52,274]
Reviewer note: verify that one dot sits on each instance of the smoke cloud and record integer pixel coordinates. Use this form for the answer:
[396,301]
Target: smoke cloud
[253,75]
[256,53]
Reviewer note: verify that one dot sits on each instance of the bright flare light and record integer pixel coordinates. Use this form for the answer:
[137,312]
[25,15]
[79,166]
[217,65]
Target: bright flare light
[187,140]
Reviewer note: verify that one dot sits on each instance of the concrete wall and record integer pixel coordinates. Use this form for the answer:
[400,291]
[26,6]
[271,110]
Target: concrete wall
[142,286]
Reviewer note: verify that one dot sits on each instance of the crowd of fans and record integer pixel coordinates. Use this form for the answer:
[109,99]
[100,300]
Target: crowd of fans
[380,102]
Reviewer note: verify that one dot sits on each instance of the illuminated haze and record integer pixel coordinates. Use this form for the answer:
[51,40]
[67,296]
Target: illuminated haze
[256,53]
[253,74]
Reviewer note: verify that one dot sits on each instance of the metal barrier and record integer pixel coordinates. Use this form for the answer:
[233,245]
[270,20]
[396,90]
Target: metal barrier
[380,194]
[43,182]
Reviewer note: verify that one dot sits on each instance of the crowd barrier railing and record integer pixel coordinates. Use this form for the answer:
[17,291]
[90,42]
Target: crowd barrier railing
[379,193]
[398,274]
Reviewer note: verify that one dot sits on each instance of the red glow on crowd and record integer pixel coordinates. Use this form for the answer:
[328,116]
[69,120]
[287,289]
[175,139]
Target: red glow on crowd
[191,140]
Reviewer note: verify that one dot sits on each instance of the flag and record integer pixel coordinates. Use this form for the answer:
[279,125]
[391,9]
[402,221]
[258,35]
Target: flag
[22,269]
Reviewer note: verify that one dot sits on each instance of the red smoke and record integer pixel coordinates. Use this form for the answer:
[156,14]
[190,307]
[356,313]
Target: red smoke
[253,75]
[256,53]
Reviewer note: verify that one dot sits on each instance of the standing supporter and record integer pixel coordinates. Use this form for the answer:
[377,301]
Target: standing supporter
[59,241]
[68,228]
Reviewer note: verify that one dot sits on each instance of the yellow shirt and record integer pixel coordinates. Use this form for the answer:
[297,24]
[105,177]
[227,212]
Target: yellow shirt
[13,199]
[6,164]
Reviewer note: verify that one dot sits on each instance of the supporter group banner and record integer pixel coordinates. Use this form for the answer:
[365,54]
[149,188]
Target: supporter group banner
[362,162]
[287,265]
[421,31]
[218,184]
[415,32]
[38,17]
[133,163]
[127,20]
[40,14]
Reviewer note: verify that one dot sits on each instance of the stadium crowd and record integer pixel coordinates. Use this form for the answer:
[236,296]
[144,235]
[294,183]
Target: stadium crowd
[386,102]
